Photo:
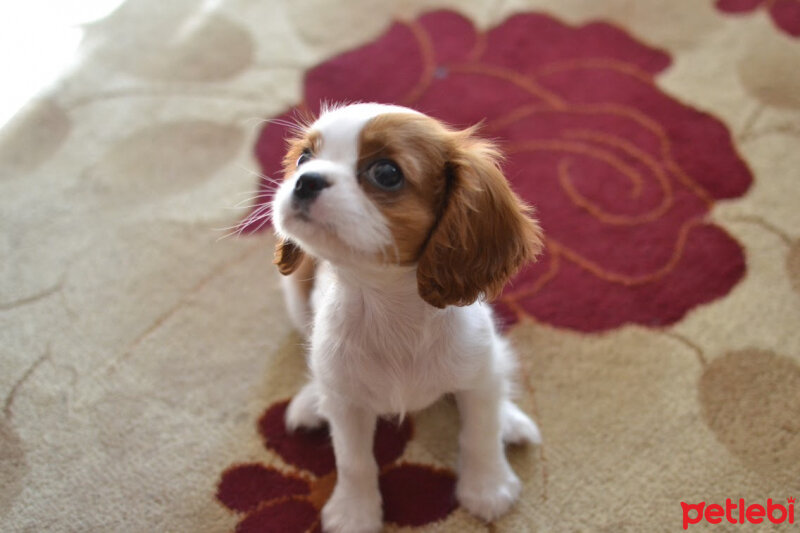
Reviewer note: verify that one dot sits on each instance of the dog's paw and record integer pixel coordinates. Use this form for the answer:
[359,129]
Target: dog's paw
[303,410]
[352,513]
[488,496]
[517,427]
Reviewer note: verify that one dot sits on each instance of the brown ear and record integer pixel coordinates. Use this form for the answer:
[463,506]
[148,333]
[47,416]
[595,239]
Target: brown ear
[287,256]
[484,234]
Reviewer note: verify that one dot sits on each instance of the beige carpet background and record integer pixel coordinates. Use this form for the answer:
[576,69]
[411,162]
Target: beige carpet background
[138,350]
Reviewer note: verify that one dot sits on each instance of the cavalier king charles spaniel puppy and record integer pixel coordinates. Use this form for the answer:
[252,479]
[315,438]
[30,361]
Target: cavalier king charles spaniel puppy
[394,230]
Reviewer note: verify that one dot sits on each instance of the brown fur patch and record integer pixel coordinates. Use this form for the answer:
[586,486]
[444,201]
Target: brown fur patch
[485,233]
[288,256]
[456,215]
[419,146]
[309,140]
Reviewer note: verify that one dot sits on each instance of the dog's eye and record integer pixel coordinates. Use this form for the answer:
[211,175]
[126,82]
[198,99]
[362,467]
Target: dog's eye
[386,175]
[305,157]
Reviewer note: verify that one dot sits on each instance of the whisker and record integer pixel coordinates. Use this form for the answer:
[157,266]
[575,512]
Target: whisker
[263,211]
[262,216]
[259,199]
[268,188]
[301,120]
[240,206]
[303,117]
[262,196]
[234,227]
[266,218]
[279,121]
[262,192]
[266,213]
[227,235]
[258,215]
[239,228]
[274,181]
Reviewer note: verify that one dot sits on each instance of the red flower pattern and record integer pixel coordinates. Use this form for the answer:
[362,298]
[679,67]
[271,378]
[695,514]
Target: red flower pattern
[272,500]
[622,174]
[785,13]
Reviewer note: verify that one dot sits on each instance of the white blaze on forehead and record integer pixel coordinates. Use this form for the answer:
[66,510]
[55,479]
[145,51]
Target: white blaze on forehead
[340,128]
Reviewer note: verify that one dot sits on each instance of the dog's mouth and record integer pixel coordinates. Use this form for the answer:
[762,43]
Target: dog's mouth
[300,211]
[302,214]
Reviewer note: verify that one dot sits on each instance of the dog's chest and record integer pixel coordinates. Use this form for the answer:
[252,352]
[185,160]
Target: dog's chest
[402,366]
[390,357]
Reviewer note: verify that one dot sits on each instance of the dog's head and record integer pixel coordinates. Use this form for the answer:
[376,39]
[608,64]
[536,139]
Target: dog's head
[378,184]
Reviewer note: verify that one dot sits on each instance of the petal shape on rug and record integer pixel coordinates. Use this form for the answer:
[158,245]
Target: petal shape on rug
[287,516]
[751,400]
[244,487]
[414,494]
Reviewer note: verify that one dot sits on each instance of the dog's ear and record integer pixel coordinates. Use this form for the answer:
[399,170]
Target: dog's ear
[287,256]
[484,234]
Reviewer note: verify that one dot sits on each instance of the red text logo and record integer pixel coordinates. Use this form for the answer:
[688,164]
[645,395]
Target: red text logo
[738,512]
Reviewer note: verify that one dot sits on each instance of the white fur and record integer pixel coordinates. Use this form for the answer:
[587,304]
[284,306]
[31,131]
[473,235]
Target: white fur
[377,348]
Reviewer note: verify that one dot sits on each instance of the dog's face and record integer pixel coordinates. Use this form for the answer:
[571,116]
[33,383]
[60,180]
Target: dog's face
[376,184]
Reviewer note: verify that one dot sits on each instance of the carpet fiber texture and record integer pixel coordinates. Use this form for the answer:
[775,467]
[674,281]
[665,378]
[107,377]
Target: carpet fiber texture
[145,362]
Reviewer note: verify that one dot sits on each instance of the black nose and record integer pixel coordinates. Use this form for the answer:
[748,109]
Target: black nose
[309,185]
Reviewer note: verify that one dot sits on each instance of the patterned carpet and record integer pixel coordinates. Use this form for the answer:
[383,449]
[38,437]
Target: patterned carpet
[145,362]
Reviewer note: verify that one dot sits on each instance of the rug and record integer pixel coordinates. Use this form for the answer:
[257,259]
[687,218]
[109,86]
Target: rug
[146,359]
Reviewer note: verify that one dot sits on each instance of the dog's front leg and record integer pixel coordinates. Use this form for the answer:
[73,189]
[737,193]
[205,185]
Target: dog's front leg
[355,505]
[486,484]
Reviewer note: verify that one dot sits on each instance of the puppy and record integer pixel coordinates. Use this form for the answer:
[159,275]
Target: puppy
[405,228]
